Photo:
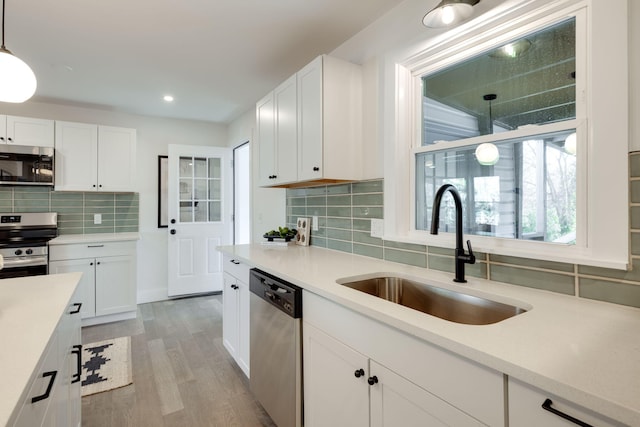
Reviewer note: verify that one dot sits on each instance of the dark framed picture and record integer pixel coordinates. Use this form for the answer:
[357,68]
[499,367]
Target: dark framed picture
[163,180]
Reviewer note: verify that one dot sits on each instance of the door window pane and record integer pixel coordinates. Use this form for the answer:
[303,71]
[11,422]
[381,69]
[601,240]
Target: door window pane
[200,189]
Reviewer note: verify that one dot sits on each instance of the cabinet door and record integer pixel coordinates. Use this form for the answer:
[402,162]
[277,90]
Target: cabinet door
[116,159]
[396,401]
[30,131]
[230,329]
[244,296]
[115,285]
[525,409]
[265,122]
[86,292]
[3,129]
[336,392]
[310,121]
[47,376]
[76,154]
[285,101]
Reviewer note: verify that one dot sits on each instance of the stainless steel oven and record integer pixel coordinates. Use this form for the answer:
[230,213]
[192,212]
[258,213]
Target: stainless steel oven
[23,243]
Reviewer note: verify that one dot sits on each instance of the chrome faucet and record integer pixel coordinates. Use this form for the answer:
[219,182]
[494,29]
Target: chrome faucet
[461,258]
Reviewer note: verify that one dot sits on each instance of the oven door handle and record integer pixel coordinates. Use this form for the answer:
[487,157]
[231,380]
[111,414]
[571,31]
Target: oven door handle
[25,262]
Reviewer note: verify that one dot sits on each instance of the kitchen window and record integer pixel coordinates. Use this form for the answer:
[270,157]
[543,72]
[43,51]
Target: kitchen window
[518,188]
[524,115]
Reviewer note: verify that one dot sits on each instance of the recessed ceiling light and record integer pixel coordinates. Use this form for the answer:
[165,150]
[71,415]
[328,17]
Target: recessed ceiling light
[168,98]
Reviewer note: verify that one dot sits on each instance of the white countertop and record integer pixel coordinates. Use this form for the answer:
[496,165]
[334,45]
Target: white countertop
[585,351]
[67,239]
[30,308]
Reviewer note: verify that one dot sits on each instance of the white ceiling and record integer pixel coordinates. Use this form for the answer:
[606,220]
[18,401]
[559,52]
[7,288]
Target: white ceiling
[216,57]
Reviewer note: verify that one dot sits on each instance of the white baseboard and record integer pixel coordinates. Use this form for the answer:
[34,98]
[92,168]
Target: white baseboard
[152,295]
[109,318]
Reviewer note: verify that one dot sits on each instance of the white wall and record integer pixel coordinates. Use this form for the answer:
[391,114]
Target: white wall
[154,135]
[268,205]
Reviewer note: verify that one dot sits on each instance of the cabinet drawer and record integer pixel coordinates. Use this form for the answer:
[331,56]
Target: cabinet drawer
[525,409]
[236,268]
[91,250]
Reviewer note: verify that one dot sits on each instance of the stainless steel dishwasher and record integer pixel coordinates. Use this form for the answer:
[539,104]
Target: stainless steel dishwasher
[276,347]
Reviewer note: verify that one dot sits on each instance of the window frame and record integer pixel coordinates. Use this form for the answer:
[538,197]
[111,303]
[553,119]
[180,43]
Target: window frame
[403,71]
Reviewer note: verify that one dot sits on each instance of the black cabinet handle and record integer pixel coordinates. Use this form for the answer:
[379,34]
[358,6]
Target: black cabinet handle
[316,169]
[547,407]
[373,380]
[234,286]
[173,232]
[77,310]
[10,140]
[173,221]
[1,138]
[235,262]
[359,372]
[94,186]
[46,394]
[77,350]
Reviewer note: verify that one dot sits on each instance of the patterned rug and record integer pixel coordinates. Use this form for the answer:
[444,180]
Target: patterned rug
[106,365]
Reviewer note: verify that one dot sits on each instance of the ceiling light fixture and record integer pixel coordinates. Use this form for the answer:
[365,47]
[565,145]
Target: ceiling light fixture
[449,12]
[570,144]
[168,98]
[488,154]
[17,81]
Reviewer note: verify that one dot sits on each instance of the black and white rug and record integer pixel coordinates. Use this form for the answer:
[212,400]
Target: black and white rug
[106,365]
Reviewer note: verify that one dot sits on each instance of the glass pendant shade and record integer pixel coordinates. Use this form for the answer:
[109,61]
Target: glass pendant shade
[487,154]
[17,81]
[449,12]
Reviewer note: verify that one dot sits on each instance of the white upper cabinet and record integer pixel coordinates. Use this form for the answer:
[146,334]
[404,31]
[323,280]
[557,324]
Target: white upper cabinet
[26,131]
[310,127]
[330,121]
[277,132]
[94,158]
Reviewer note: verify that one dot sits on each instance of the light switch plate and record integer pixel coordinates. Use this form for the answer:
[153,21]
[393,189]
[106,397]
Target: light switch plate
[97,218]
[377,227]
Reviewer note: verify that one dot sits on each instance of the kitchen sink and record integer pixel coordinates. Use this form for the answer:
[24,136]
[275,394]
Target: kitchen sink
[444,303]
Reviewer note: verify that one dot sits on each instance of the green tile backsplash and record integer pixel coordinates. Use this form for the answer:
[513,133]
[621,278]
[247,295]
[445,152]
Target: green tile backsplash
[345,211]
[120,211]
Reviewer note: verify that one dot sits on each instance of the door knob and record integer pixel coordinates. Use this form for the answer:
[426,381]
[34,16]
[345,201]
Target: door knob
[173,232]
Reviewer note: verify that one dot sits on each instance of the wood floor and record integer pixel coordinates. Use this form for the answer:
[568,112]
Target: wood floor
[182,374]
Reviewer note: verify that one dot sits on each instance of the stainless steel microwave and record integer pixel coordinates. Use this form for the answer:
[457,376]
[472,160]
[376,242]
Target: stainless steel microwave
[26,165]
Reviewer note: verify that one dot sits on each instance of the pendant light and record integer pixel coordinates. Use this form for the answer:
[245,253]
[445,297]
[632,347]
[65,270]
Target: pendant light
[449,12]
[17,81]
[488,154]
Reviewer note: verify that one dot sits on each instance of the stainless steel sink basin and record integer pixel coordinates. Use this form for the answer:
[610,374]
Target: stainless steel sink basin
[440,302]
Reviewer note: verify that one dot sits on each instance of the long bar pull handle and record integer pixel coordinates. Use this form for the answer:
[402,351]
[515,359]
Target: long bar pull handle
[547,407]
[77,350]
[95,246]
[46,394]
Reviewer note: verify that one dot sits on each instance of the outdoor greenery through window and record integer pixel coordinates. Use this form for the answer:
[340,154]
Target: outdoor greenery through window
[516,106]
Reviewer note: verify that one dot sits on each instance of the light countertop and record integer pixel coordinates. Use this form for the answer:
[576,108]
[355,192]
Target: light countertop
[67,239]
[30,309]
[585,351]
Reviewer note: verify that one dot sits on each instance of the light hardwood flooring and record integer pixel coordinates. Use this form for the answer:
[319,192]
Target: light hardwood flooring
[182,374]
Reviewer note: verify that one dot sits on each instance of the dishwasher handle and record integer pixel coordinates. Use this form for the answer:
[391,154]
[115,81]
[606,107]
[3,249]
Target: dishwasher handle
[283,295]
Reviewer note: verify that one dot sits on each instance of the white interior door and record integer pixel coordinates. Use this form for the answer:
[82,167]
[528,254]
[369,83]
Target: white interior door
[199,207]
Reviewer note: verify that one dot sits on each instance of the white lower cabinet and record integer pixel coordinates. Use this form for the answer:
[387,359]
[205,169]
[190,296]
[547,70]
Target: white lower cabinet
[53,397]
[108,284]
[360,372]
[345,388]
[235,320]
[532,407]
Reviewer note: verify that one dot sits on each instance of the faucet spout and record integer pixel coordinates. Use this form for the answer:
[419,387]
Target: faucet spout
[461,257]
